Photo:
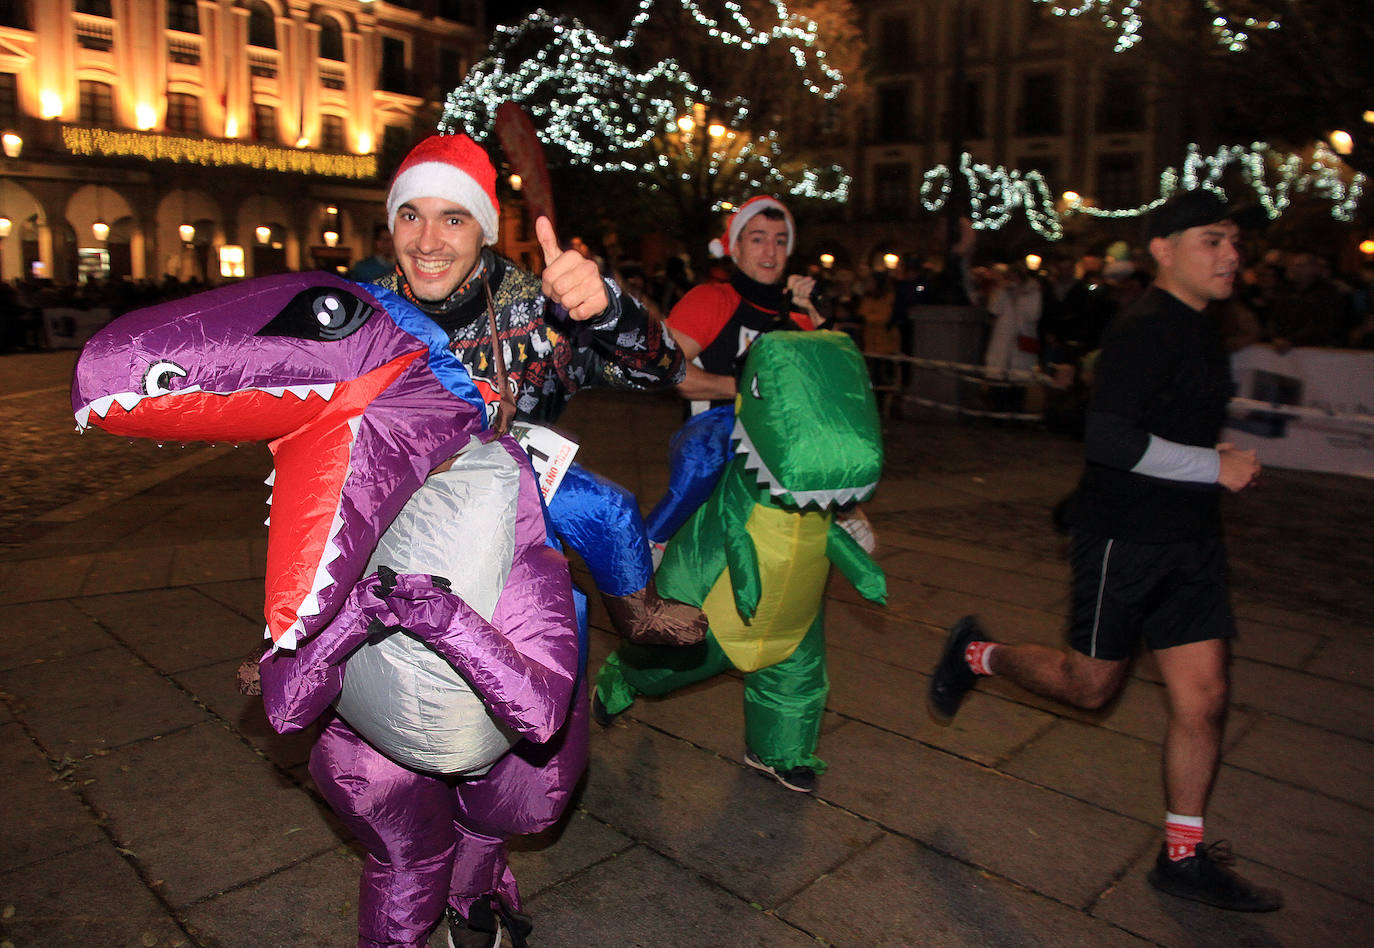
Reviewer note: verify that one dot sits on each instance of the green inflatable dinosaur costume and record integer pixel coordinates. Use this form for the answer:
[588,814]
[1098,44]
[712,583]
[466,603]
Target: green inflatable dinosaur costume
[757,554]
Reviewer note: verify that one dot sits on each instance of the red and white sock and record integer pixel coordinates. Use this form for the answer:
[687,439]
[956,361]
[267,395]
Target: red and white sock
[1181,835]
[977,655]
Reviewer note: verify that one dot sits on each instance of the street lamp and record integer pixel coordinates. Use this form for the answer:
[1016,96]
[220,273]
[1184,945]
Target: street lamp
[6,225]
[1341,142]
[12,144]
[187,233]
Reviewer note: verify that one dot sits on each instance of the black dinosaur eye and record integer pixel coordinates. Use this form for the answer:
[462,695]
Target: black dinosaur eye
[322,314]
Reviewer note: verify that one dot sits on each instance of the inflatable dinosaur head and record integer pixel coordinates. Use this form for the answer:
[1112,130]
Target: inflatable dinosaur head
[806,421]
[353,388]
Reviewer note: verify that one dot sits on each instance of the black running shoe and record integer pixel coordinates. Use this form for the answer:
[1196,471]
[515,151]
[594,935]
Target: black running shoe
[600,715]
[487,919]
[801,779]
[952,678]
[1207,877]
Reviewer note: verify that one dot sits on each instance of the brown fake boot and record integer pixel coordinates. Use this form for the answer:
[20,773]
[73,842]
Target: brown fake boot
[248,677]
[646,618]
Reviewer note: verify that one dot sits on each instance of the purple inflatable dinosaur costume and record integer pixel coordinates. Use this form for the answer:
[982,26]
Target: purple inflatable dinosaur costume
[360,401]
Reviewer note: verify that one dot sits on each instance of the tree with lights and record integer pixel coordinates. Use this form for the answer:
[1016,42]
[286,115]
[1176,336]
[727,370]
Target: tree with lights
[1287,71]
[691,106]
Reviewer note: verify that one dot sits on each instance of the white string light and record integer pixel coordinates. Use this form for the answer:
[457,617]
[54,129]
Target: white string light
[584,99]
[1275,177]
[1123,16]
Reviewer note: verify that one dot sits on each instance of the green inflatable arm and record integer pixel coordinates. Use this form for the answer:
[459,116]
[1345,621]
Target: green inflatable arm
[856,565]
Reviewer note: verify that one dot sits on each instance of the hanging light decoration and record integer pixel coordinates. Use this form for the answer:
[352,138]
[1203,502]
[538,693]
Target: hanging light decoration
[996,194]
[607,116]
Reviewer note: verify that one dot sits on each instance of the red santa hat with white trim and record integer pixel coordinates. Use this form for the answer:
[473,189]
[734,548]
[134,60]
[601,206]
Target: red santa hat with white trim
[452,167]
[724,246]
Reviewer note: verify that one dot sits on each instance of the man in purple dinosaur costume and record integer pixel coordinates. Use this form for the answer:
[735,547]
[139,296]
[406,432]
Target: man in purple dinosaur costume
[360,400]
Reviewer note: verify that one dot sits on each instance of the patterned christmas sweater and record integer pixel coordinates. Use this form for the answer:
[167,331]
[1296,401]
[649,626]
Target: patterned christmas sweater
[548,355]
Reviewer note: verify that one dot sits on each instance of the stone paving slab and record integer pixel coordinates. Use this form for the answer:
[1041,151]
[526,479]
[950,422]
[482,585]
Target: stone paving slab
[641,899]
[717,817]
[897,887]
[96,702]
[578,843]
[174,629]
[312,904]
[44,631]
[1321,702]
[1107,769]
[170,815]
[895,699]
[39,822]
[46,579]
[987,583]
[1345,659]
[87,896]
[1330,764]
[1277,645]
[1051,843]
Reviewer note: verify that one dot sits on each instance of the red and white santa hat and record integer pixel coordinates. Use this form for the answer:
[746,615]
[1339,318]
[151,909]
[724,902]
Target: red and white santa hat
[723,246]
[452,167]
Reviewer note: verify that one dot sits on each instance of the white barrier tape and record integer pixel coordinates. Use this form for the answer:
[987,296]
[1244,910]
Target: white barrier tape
[1022,379]
[1243,406]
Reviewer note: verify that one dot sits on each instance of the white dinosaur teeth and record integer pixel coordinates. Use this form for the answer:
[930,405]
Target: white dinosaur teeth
[127,400]
[83,418]
[323,389]
[271,478]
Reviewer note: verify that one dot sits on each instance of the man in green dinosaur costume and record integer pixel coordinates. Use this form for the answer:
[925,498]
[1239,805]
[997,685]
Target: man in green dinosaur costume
[756,555]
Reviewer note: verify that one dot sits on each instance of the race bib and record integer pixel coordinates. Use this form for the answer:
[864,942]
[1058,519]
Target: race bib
[550,454]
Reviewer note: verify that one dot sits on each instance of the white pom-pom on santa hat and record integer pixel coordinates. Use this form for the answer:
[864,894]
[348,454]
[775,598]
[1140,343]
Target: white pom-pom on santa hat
[723,246]
[452,167]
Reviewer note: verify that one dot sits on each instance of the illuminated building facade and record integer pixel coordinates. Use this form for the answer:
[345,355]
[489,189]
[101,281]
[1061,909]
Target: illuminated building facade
[1039,93]
[208,139]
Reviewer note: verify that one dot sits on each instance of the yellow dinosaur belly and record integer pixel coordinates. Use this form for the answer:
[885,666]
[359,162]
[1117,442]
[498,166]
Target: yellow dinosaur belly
[792,571]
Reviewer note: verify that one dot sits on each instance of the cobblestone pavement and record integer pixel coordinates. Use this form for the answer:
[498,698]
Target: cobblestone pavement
[149,804]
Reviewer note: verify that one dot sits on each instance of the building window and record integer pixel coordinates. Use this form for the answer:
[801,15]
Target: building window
[331,39]
[893,113]
[1045,164]
[183,15]
[331,133]
[14,14]
[95,8]
[974,115]
[9,98]
[262,26]
[1118,180]
[97,103]
[1040,105]
[893,50]
[891,189]
[183,113]
[1121,103]
[265,123]
[396,142]
[452,68]
[461,11]
[394,76]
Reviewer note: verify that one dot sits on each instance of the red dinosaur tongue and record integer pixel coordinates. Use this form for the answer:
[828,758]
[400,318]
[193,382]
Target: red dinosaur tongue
[311,466]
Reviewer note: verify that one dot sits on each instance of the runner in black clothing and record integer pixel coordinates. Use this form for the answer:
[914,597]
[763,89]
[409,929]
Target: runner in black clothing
[1147,555]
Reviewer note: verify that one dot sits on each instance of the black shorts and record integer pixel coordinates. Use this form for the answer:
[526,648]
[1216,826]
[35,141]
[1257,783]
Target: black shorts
[1167,593]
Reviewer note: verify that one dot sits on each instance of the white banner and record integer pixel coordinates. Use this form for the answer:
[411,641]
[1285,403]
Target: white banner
[65,328]
[1308,409]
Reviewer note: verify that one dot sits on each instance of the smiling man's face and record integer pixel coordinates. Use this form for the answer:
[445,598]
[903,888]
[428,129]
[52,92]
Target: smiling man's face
[437,245]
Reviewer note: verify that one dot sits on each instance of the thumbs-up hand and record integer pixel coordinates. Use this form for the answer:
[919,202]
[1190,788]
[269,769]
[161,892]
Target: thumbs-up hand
[570,279]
